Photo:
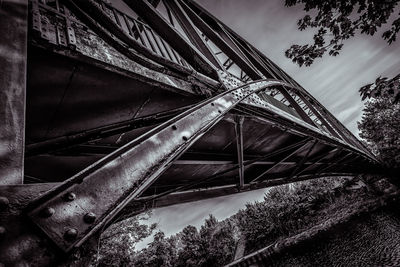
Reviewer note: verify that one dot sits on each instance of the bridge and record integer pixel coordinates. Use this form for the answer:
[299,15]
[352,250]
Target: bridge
[106,111]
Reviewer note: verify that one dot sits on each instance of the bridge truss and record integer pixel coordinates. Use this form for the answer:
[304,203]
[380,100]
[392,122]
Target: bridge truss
[154,105]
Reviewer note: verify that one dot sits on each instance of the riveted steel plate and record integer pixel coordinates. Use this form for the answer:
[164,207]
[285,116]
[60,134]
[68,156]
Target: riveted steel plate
[105,187]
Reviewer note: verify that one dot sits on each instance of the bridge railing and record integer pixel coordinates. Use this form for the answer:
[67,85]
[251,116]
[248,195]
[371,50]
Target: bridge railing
[134,27]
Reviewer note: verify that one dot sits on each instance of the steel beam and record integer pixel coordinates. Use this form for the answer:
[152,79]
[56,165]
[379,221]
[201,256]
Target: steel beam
[319,158]
[318,115]
[102,25]
[238,58]
[296,106]
[239,147]
[191,32]
[173,37]
[13,50]
[334,163]
[105,187]
[279,162]
[101,132]
[229,162]
[303,160]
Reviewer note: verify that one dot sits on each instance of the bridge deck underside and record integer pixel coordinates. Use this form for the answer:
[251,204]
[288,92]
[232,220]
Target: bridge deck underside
[81,112]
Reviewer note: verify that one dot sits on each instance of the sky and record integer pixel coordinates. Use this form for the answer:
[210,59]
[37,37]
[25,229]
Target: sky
[334,81]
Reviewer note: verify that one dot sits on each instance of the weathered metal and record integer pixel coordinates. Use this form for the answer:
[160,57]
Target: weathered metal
[144,108]
[239,146]
[187,50]
[14,34]
[129,170]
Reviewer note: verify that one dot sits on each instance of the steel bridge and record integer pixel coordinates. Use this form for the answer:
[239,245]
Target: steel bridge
[105,110]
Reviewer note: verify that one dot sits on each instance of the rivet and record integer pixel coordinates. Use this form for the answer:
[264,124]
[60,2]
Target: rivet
[69,196]
[212,104]
[47,212]
[4,203]
[70,234]
[184,138]
[89,217]
[2,231]
[174,127]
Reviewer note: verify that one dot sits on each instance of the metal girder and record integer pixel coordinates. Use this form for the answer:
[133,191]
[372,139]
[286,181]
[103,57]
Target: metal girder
[13,32]
[162,200]
[303,160]
[296,106]
[173,37]
[104,188]
[238,58]
[319,116]
[285,123]
[102,25]
[239,147]
[101,132]
[191,32]
[336,162]
[229,162]
[319,158]
[277,163]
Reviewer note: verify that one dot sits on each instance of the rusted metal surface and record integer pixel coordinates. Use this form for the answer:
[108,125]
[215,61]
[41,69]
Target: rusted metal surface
[188,51]
[191,32]
[13,31]
[139,111]
[21,244]
[127,172]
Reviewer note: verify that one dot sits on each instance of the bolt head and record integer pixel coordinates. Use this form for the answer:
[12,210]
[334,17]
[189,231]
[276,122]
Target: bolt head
[4,202]
[47,212]
[89,217]
[69,196]
[70,234]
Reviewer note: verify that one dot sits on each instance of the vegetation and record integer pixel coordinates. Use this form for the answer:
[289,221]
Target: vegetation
[213,245]
[117,244]
[337,21]
[288,209]
[285,210]
[380,127]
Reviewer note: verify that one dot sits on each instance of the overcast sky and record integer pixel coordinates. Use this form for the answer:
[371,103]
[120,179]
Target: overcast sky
[334,81]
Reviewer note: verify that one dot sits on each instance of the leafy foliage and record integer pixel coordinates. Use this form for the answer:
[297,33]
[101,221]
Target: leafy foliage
[160,252]
[380,127]
[213,245]
[117,244]
[284,211]
[337,21]
[382,87]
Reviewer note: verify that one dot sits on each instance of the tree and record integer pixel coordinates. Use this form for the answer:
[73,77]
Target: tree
[213,245]
[160,252]
[382,88]
[380,127]
[285,210]
[117,243]
[337,21]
